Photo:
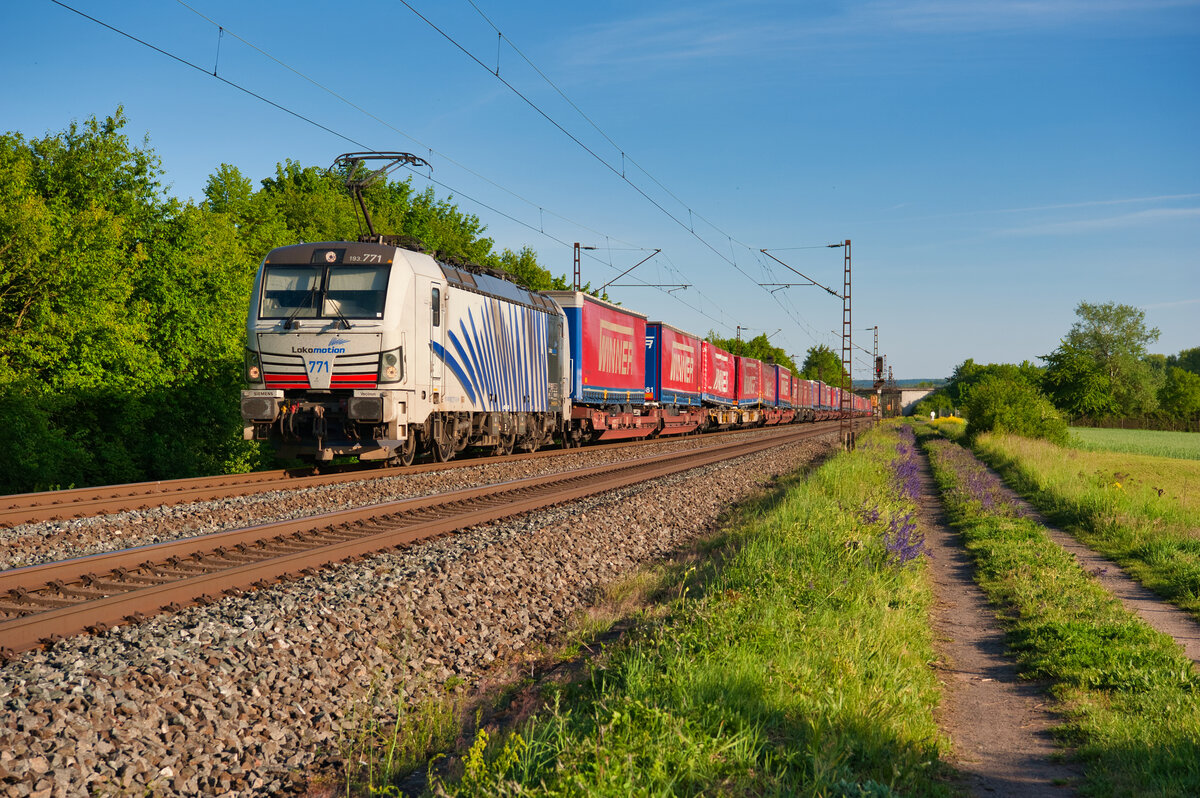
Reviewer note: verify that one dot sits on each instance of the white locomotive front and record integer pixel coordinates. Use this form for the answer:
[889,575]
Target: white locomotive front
[378,352]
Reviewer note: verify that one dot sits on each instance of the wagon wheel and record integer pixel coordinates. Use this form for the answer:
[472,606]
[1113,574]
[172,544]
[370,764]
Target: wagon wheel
[408,449]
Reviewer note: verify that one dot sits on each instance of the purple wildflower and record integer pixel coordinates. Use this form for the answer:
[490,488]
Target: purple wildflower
[974,481]
[905,469]
[902,540]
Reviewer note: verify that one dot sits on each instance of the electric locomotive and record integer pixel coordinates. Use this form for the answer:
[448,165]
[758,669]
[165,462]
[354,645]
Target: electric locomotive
[379,351]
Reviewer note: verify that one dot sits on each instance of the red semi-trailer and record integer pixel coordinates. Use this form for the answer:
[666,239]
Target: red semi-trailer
[608,375]
[748,390]
[717,377]
[718,384]
[784,381]
[781,411]
[673,378]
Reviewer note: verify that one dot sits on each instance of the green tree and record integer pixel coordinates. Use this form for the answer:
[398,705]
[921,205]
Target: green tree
[1188,360]
[121,316]
[255,215]
[969,373]
[1078,384]
[80,207]
[1116,336]
[1180,394]
[822,363]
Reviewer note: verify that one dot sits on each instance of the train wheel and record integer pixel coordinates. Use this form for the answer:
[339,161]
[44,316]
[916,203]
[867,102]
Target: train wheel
[441,444]
[505,446]
[408,450]
[443,450]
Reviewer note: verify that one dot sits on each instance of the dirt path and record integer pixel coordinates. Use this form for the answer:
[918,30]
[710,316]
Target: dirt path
[998,722]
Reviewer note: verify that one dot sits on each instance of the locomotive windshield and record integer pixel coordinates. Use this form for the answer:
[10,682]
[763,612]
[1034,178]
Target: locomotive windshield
[323,292]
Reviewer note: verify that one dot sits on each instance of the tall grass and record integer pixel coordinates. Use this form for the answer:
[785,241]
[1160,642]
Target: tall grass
[793,661]
[1184,445]
[1141,511]
[1130,697]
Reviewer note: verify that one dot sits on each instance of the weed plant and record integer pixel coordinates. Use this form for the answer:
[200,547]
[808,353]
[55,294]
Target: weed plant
[384,738]
[1141,511]
[794,660]
[1129,695]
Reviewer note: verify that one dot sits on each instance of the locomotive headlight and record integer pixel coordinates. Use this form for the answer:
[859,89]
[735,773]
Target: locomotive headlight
[253,371]
[391,365]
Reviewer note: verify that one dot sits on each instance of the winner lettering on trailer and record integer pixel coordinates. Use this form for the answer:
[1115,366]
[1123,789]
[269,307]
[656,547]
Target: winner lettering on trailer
[682,360]
[616,348]
[721,381]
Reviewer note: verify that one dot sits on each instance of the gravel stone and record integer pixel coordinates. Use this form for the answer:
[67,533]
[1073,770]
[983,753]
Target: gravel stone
[238,696]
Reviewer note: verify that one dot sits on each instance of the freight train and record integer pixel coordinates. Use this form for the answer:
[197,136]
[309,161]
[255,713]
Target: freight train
[382,352]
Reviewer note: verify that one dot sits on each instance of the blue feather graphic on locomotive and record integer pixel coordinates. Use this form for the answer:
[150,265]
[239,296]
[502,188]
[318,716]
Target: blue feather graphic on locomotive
[502,371]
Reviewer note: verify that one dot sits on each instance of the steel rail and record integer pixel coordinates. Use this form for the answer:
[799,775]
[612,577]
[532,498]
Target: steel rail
[28,508]
[91,593]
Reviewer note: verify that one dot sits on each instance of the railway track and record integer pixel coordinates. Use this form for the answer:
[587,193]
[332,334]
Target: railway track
[43,603]
[29,508]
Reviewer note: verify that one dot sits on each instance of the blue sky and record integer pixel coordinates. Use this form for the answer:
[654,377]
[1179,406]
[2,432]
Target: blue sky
[993,163]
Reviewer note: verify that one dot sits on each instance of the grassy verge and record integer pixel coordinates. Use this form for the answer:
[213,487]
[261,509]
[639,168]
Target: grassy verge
[952,427]
[1129,695]
[793,659]
[1185,445]
[1140,511]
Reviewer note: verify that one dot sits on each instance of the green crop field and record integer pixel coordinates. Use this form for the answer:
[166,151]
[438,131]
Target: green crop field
[1184,445]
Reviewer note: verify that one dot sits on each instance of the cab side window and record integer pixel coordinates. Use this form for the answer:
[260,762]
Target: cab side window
[437,307]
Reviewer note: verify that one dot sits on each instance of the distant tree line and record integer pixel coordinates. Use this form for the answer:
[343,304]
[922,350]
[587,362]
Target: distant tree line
[1101,374]
[122,309]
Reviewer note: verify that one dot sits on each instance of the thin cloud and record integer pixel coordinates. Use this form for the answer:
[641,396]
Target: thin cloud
[738,30]
[980,212]
[1095,203]
[961,16]
[1128,220]
[1157,305]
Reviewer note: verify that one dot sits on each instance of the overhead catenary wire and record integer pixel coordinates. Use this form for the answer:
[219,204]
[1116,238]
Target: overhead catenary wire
[212,74]
[618,172]
[541,209]
[343,136]
[624,155]
[366,112]
[223,31]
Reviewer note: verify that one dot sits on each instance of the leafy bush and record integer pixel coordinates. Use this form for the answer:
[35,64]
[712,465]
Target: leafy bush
[999,404]
[937,402]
